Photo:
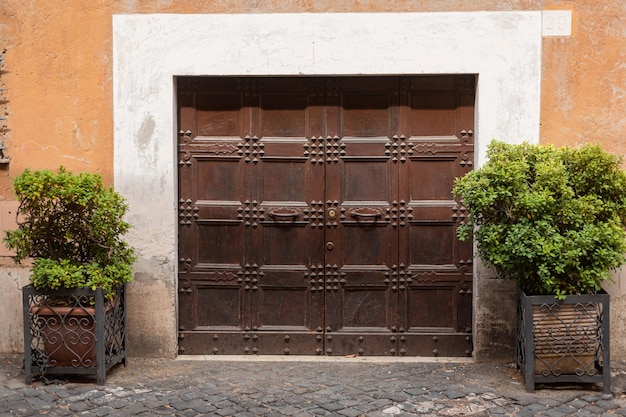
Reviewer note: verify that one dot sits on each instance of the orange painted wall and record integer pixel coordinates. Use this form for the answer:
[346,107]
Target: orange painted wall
[59,79]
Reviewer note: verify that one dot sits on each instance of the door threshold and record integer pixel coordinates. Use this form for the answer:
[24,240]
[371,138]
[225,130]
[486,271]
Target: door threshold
[312,358]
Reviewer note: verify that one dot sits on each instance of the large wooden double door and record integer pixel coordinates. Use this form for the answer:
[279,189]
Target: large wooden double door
[316,215]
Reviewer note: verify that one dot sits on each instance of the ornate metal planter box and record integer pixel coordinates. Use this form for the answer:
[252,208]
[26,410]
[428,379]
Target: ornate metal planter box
[564,341]
[75,331]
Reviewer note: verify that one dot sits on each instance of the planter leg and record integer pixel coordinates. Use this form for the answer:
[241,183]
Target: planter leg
[28,357]
[530,377]
[529,341]
[101,370]
[606,347]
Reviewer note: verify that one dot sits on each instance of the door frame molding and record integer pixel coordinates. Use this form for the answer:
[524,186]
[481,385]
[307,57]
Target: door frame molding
[150,50]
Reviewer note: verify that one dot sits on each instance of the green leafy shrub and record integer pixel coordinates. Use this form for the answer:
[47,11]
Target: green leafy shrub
[551,219]
[72,226]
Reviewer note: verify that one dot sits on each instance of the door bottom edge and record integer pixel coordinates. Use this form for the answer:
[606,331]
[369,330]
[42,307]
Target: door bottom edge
[323,358]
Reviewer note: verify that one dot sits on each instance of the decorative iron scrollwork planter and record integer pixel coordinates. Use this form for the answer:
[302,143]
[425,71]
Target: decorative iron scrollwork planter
[564,341]
[86,335]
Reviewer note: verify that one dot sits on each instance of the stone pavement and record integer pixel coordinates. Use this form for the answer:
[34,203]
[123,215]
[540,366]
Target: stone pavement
[343,387]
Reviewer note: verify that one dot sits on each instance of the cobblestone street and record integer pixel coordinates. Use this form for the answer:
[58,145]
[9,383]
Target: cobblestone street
[346,387]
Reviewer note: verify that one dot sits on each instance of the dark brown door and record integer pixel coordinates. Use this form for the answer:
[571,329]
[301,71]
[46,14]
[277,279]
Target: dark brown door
[316,215]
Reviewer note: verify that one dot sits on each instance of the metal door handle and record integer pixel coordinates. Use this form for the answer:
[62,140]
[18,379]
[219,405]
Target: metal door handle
[284,213]
[357,214]
[330,245]
[366,212]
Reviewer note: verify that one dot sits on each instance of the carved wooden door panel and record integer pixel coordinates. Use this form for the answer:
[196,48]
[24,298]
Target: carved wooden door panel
[315,215]
[215,210]
[434,269]
[362,241]
[287,245]
[251,234]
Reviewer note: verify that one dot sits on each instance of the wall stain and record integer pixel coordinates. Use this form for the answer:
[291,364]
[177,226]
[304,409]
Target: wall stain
[145,133]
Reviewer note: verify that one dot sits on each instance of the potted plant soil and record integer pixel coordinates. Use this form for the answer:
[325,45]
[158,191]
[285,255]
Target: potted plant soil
[552,220]
[71,228]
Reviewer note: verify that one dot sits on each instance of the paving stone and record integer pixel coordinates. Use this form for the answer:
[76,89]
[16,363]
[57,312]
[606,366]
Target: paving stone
[607,404]
[80,406]
[454,394]
[350,412]
[187,413]
[189,396]
[38,402]
[292,399]
[367,407]
[203,408]
[93,394]
[553,413]
[216,399]
[303,414]
[565,409]
[585,413]
[592,408]
[225,411]
[135,408]
[331,406]
[162,410]
[30,392]
[104,411]
[397,397]
[349,403]
[273,414]
[538,407]
[382,402]
[179,405]
[49,398]
[415,391]
[525,413]
[290,411]
[578,403]
[492,414]
[591,398]
[497,410]
[244,414]
[115,403]
[25,412]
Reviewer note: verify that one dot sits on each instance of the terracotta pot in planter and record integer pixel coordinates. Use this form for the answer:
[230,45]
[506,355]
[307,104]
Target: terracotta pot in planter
[68,333]
[564,340]
[87,336]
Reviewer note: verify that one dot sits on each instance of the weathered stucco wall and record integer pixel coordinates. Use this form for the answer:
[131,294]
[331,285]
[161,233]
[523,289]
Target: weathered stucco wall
[60,89]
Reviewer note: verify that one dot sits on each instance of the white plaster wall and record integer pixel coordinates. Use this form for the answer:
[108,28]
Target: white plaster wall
[12,279]
[503,48]
[617,289]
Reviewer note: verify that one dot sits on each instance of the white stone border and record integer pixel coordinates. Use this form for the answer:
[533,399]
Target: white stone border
[503,48]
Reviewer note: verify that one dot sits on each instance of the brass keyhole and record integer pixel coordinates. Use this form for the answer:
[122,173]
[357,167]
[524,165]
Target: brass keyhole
[332,214]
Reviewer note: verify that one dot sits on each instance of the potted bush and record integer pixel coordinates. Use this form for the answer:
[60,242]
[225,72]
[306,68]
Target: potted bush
[71,226]
[552,220]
